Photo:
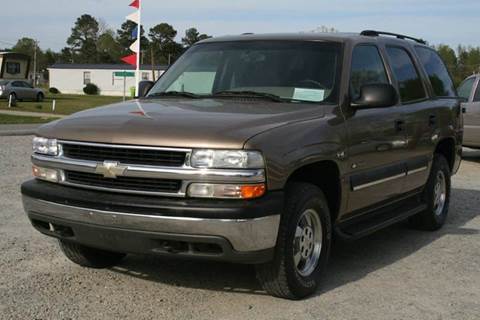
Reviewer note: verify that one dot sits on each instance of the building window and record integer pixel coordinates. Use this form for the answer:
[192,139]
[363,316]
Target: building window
[87,77]
[145,76]
[13,67]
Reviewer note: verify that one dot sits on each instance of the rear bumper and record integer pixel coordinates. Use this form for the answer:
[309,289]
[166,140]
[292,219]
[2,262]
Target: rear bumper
[232,238]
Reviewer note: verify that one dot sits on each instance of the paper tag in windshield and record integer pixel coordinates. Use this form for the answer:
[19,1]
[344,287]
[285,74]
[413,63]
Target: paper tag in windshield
[314,95]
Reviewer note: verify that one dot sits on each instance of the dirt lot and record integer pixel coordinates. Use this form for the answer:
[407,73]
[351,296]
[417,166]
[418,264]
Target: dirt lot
[397,273]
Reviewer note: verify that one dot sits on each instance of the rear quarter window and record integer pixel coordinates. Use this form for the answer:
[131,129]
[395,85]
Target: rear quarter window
[437,72]
[465,89]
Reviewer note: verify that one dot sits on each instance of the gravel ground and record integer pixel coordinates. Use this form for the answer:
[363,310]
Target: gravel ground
[397,273]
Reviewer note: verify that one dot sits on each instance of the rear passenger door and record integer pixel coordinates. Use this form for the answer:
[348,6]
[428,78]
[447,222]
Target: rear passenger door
[376,139]
[19,90]
[419,114]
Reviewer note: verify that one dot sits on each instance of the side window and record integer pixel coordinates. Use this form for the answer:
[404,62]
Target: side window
[465,89]
[367,68]
[476,98]
[13,67]
[17,84]
[409,82]
[145,76]
[437,72]
[87,77]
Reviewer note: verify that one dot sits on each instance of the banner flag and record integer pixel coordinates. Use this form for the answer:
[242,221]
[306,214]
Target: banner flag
[135,4]
[134,46]
[131,59]
[134,32]
[134,17]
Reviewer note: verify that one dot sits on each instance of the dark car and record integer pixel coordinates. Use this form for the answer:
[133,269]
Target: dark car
[256,149]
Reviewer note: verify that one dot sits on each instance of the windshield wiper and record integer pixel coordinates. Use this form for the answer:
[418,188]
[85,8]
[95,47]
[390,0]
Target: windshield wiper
[175,94]
[248,94]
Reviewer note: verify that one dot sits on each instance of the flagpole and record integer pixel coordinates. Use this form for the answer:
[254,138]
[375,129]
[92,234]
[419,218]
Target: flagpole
[139,33]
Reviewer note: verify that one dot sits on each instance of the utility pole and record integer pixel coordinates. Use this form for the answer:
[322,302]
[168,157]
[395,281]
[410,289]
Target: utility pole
[152,58]
[34,63]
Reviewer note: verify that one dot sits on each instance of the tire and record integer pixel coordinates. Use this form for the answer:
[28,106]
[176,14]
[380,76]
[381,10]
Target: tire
[437,211]
[90,257]
[40,97]
[13,97]
[283,277]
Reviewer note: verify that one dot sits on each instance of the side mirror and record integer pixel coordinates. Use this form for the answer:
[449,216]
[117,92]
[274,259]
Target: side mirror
[378,95]
[144,87]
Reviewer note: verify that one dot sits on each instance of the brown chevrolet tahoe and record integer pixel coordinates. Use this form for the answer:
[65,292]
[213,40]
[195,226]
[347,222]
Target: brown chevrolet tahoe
[255,149]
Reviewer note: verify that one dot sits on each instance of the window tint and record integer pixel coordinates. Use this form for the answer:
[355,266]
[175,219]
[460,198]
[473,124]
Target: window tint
[476,98]
[26,85]
[409,82]
[465,88]
[17,84]
[367,68]
[13,67]
[437,72]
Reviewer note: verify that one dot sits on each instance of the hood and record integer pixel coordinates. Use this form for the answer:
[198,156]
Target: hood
[203,123]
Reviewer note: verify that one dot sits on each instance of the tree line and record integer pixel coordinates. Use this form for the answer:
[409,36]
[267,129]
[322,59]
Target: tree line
[92,41]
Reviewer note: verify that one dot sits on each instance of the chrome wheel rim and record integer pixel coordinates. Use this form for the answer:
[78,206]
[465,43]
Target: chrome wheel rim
[439,193]
[307,243]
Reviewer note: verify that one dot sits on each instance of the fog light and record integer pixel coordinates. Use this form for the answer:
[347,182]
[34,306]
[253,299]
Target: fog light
[226,191]
[46,174]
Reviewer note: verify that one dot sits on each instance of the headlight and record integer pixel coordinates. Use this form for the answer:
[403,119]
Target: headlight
[45,146]
[227,159]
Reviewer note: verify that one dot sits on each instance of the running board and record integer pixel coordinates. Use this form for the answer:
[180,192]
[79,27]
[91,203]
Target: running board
[352,230]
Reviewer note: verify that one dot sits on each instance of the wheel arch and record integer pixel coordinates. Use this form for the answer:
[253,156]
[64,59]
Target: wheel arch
[324,174]
[446,147]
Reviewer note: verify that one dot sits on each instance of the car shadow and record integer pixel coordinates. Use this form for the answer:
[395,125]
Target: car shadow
[350,261]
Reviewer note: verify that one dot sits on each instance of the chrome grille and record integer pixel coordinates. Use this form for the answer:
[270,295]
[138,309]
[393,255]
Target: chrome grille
[125,154]
[123,183]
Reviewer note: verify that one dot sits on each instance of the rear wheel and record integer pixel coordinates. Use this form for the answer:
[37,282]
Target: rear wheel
[90,257]
[40,97]
[436,196]
[303,245]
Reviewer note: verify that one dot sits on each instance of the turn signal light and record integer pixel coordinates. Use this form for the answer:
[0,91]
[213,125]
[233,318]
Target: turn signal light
[226,191]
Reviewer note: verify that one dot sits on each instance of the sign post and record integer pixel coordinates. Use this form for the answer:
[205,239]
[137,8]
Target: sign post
[124,74]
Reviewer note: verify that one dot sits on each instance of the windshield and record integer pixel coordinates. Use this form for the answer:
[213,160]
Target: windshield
[3,82]
[294,71]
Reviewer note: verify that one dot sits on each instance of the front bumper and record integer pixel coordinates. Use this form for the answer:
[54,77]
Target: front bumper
[96,219]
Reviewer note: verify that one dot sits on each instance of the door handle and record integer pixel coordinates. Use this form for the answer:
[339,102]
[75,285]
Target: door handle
[399,125]
[432,120]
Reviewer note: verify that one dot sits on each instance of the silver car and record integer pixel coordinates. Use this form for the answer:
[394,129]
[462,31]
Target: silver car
[470,90]
[20,90]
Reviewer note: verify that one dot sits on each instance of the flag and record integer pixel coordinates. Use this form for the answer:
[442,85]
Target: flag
[134,46]
[135,4]
[131,59]
[134,17]
[134,32]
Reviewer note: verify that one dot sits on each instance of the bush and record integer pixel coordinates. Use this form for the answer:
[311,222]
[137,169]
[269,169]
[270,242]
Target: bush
[91,89]
[54,90]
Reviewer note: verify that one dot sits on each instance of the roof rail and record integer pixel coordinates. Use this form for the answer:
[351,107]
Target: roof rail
[373,33]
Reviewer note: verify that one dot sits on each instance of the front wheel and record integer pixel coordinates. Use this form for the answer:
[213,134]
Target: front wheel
[90,257]
[303,245]
[12,98]
[436,195]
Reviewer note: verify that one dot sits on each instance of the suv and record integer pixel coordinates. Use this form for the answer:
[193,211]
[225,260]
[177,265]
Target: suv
[255,149]
[469,90]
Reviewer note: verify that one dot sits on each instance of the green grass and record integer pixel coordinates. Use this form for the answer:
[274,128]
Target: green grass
[65,104]
[9,119]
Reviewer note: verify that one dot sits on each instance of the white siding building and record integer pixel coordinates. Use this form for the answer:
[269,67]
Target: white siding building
[72,78]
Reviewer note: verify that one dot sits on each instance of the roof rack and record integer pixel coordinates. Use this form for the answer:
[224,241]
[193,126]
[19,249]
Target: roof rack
[373,33]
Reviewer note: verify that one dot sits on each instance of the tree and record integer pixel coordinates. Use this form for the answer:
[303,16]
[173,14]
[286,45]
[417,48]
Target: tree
[192,36]
[109,50]
[125,36]
[83,40]
[164,47]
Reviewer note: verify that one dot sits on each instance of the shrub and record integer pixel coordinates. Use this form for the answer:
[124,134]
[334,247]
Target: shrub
[91,89]
[54,90]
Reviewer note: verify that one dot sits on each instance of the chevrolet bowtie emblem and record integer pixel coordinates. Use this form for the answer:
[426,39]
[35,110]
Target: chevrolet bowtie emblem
[110,169]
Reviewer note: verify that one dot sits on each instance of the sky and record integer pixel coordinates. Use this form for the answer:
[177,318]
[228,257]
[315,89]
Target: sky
[451,22]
